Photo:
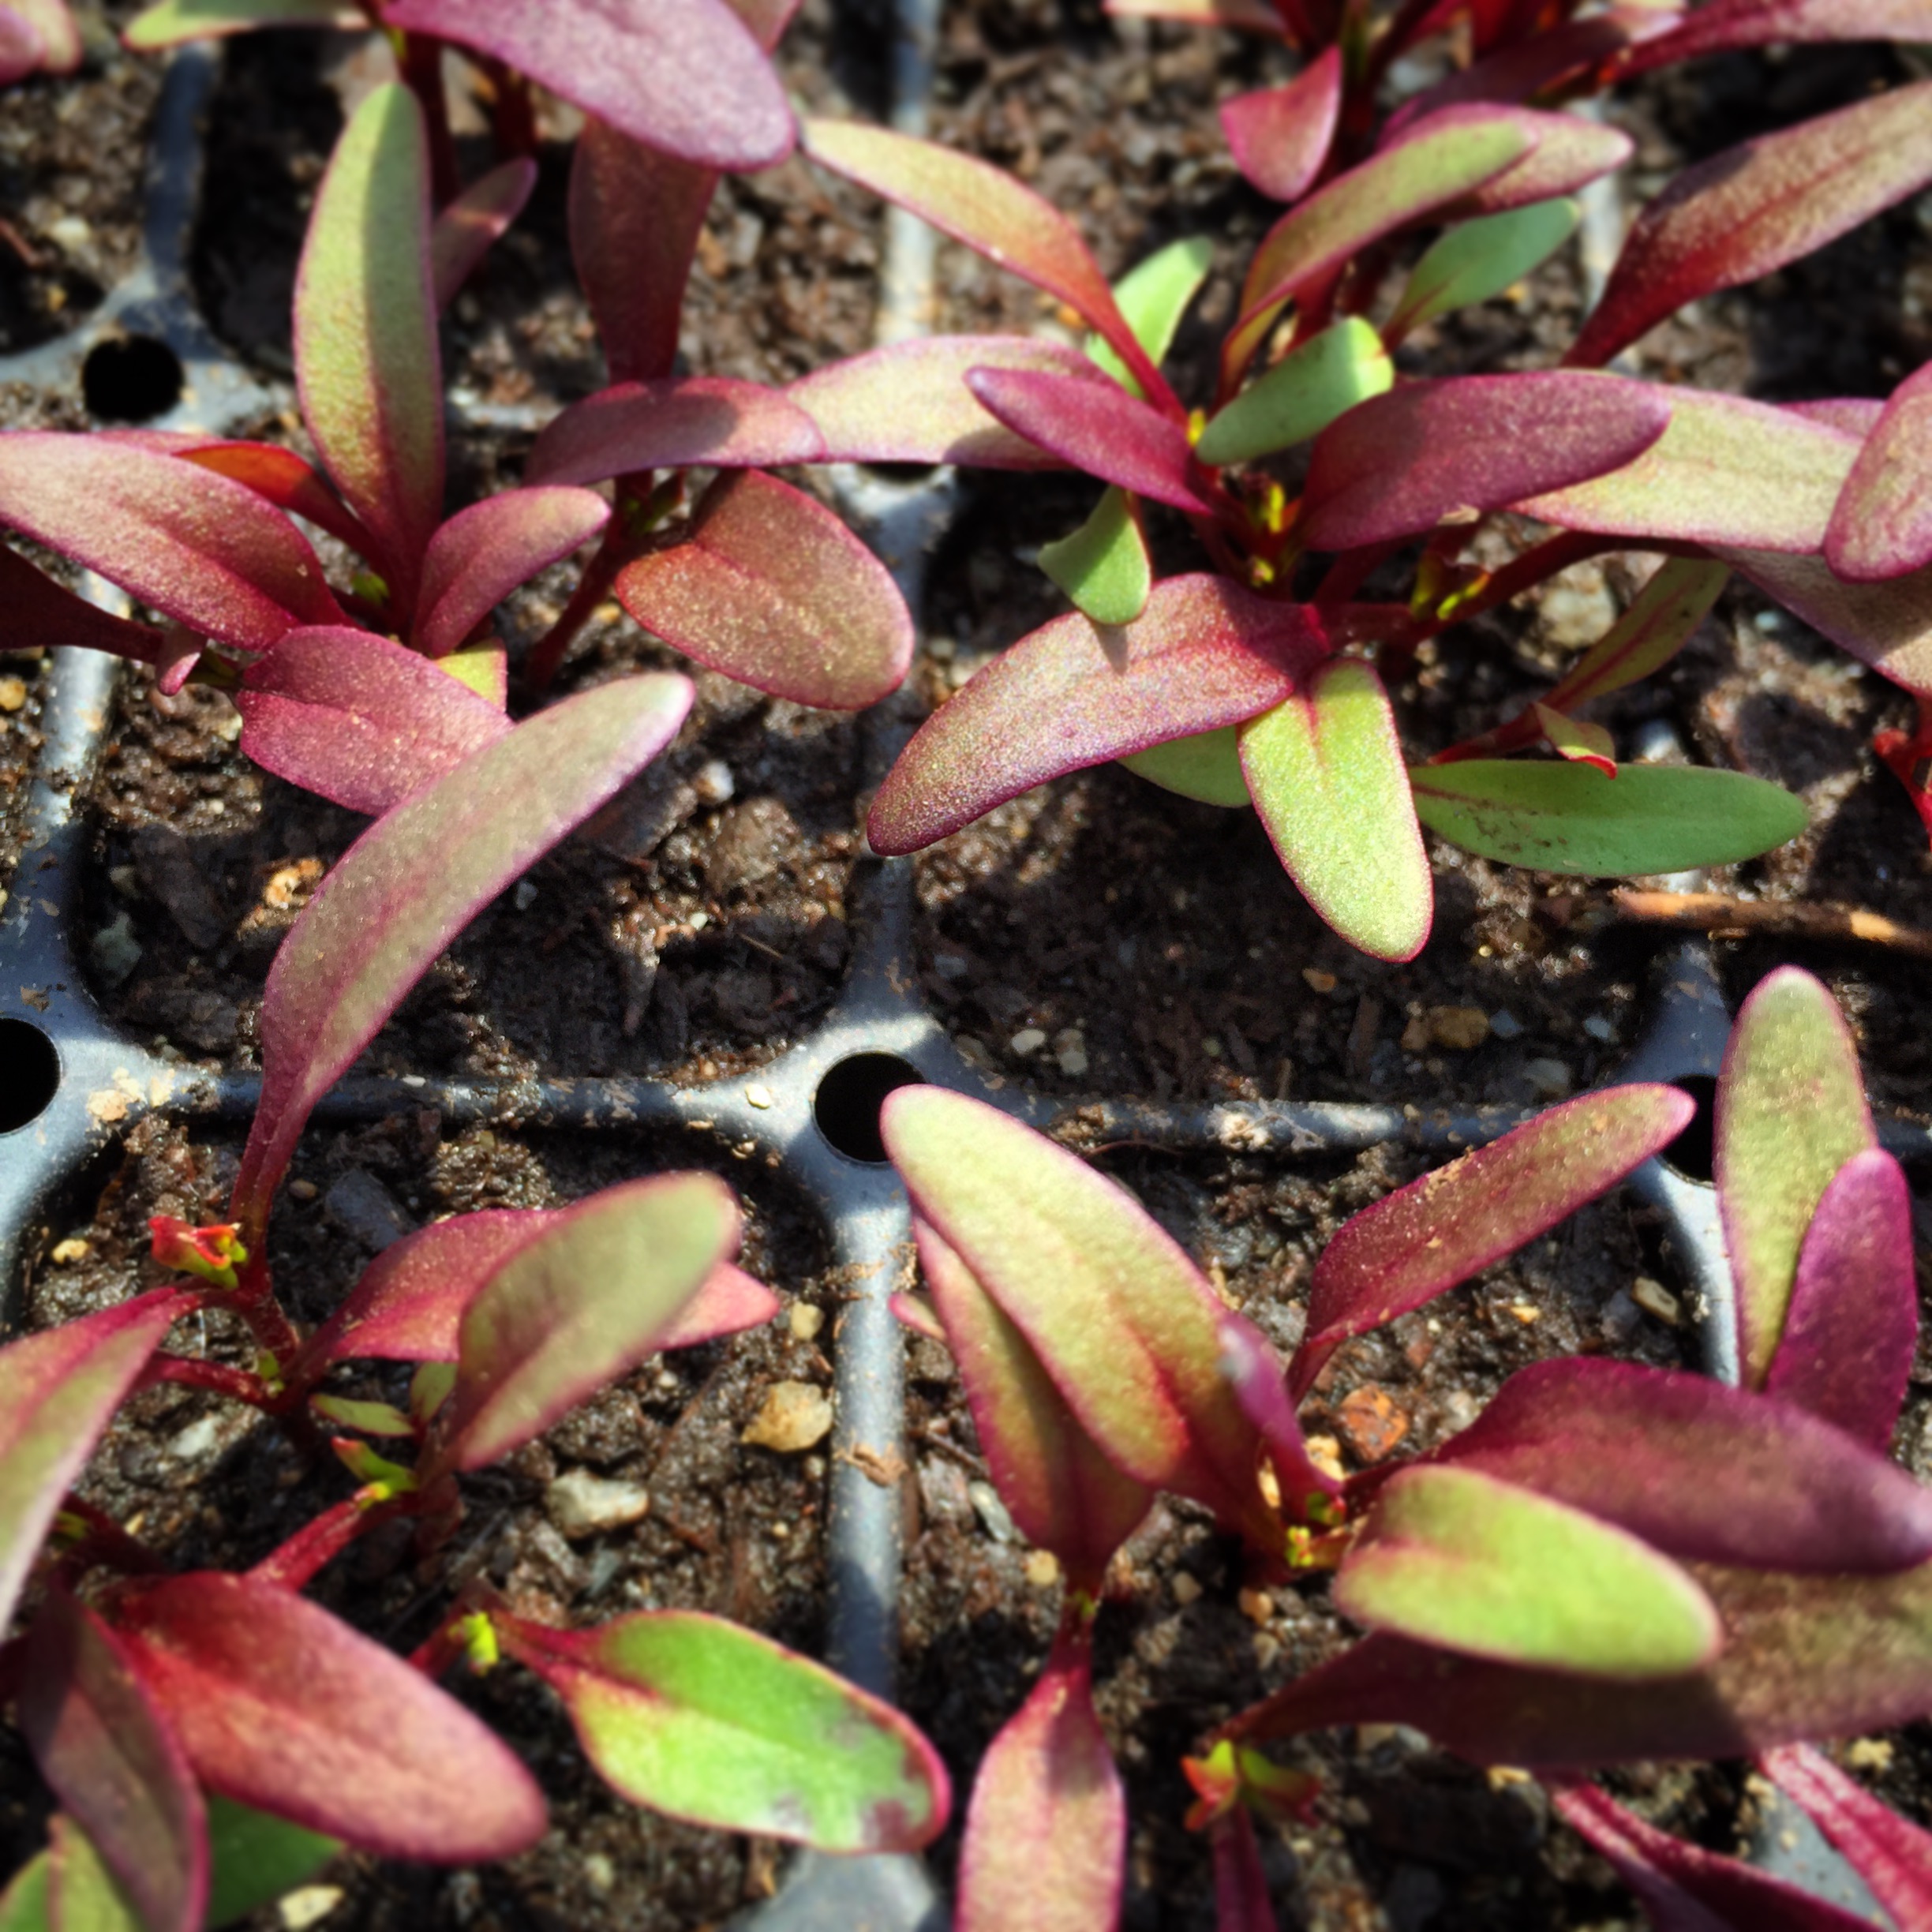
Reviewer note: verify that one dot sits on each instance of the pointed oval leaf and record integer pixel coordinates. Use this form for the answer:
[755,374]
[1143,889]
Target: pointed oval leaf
[1046,1841]
[1852,1328]
[256,1858]
[483,553]
[1064,1493]
[1704,1473]
[1892,1856]
[593,1291]
[463,231]
[82,1894]
[172,21]
[416,878]
[200,547]
[712,1722]
[687,76]
[1280,137]
[1421,1240]
[1118,1316]
[1206,765]
[770,588]
[1791,1112]
[367,365]
[1562,817]
[1478,258]
[1881,525]
[1757,206]
[1104,566]
[1570,153]
[279,1706]
[1205,653]
[1452,1557]
[1571,738]
[58,1390]
[673,423]
[1153,296]
[1657,625]
[1888,626]
[1324,768]
[1398,464]
[358,719]
[1315,382]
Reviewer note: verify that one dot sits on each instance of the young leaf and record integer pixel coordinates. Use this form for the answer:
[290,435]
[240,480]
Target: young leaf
[1704,1473]
[1569,819]
[1791,1112]
[256,1858]
[770,588]
[1571,738]
[201,549]
[594,1292]
[714,1724]
[1657,625]
[1253,1372]
[1280,137]
[1398,464]
[280,476]
[1452,1557]
[1756,206]
[172,21]
[358,719]
[1324,768]
[1888,626]
[113,1763]
[1315,382]
[1892,1856]
[366,362]
[1046,1831]
[1421,1240]
[58,1390]
[463,231]
[416,878]
[1104,567]
[1852,1328]
[483,553]
[1881,525]
[1205,653]
[1119,1317]
[1153,296]
[673,423]
[82,1894]
[1206,765]
[279,1705]
[1476,260]
[687,76]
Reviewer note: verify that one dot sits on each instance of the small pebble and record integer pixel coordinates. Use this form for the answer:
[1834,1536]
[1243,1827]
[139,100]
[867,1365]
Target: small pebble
[115,950]
[993,1514]
[1043,1569]
[1318,981]
[1527,1313]
[1549,1080]
[1267,1648]
[581,1504]
[303,1190]
[1070,1051]
[1869,1754]
[1370,1422]
[950,966]
[1505,1025]
[1416,1035]
[795,1416]
[1599,1028]
[308,1905]
[1256,1605]
[599,1873]
[1027,1041]
[13,693]
[806,1318]
[1460,1028]
[713,783]
[525,895]
[1186,1590]
[196,1440]
[1657,1300]
[760,1097]
[73,1249]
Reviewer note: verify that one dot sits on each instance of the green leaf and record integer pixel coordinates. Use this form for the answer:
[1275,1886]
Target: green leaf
[82,1894]
[1325,770]
[1476,260]
[24,1905]
[1301,394]
[698,1717]
[1103,566]
[256,1858]
[1561,817]
[1154,296]
[1452,1557]
[173,21]
[1204,765]
[1791,1112]
[373,1418]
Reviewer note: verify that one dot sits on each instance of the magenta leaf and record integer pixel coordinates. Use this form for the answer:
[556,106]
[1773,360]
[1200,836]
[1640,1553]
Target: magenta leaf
[1546,59]
[1851,1329]
[1887,625]
[1203,653]
[1424,1238]
[770,588]
[1279,135]
[1254,1372]
[416,878]
[281,478]
[1892,1855]
[687,76]
[1093,426]
[367,365]
[908,402]
[1705,1472]
[1723,26]
[58,1390]
[1396,465]
[463,232]
[35,613]
[279,1705]
[709,1722]
[483,553]
[718,421]
[205,550]
[358,719]
[1882,525]
[1755,206]
[115,1764]
[1046,1841]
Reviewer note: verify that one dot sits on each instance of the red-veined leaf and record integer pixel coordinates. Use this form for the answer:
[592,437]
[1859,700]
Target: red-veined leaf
[770,588]
[1892,1855]
[416,878]
[1204,653]
[1881,526]
[1755,206]
[483,553]
[1723,26]
[173,21]
[1658,624]
[1279,135]
[1887,625]
[1421,1240]
[463,231]
[37,614]
[279,1706]
[673,423]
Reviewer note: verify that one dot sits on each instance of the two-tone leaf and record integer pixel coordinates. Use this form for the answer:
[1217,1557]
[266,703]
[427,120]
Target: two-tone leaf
[1881,526]
[1315,382]
[172,21]
[277,475]
[483,553]
[673,423]
[1280,137]
[1573,738]
[82,1894]
[1726,26]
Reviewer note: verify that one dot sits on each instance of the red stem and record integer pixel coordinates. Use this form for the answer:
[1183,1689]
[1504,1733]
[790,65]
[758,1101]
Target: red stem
[189,1371]
[420,57]
[622,543]
[295,1563]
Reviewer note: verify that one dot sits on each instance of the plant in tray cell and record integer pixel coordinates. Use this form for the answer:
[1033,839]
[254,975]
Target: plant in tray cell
[1316,466]
[1611,1563]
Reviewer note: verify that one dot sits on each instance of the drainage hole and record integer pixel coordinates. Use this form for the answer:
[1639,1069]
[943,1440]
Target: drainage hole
[30,1074]
[1691,1153]
[848,1102]
[131,379]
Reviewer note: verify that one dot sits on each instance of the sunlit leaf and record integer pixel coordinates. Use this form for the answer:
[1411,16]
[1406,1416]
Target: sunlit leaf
[1279,136]
[1892,1856]
[1206,766]
[1153,296]
[1103,566]
[173,22]
[483,553]
[53,25]
[256,1858]
[1657,625]
[1476,260]
[673,423]
[1301,394]
[1881,526]
[464,230]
